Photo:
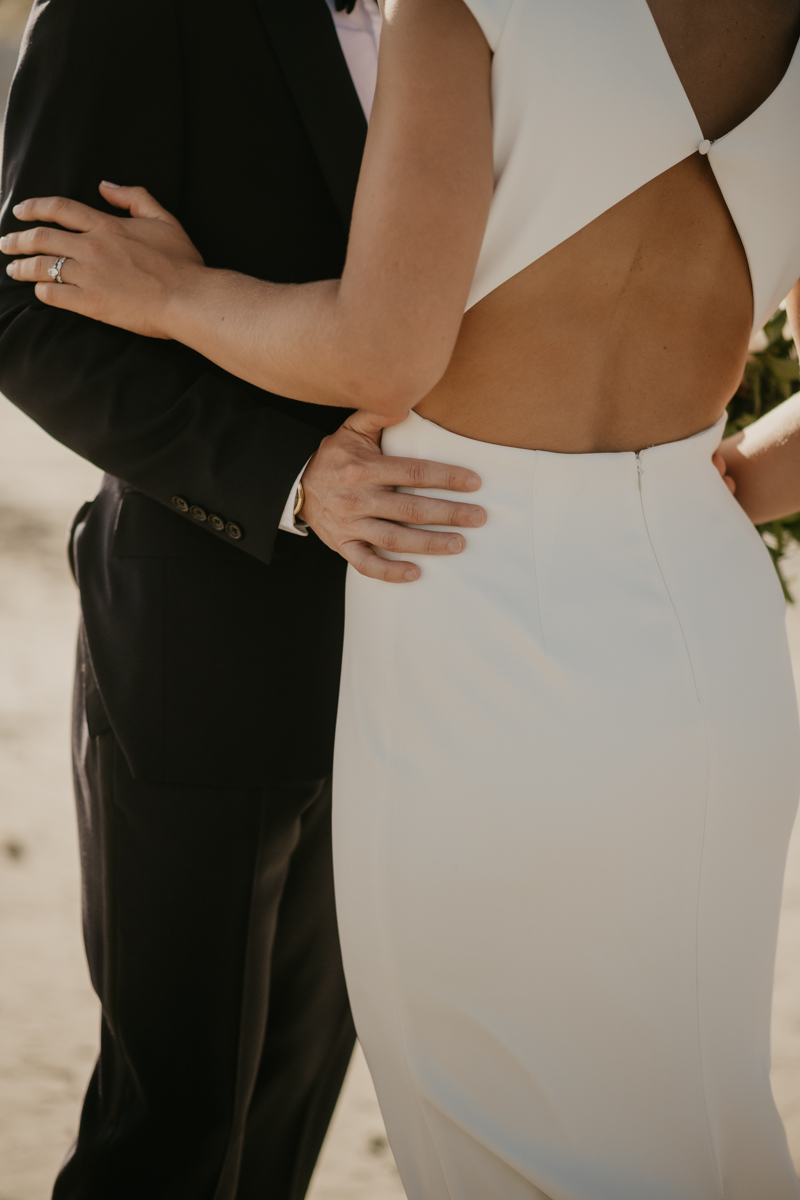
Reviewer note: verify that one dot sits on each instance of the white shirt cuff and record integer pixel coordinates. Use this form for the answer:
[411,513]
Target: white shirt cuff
[288,522]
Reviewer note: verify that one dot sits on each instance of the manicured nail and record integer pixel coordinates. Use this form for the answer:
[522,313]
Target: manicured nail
[17,209]
[478,517]
[455,545]
[108,183]
[3,243]
[11,268]
[410,576]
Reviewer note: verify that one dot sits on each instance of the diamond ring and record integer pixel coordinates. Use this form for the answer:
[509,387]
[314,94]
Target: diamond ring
[55,270]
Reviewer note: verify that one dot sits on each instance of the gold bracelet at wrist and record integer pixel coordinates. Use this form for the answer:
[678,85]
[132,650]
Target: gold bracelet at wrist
[299,499]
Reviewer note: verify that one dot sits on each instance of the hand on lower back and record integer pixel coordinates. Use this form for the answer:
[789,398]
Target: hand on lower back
[352,505]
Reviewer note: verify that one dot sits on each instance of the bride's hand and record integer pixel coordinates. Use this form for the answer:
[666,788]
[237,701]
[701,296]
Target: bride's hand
[718,459]
[120,270]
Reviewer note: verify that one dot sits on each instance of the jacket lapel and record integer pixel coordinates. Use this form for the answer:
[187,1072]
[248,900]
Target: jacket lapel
[305,42]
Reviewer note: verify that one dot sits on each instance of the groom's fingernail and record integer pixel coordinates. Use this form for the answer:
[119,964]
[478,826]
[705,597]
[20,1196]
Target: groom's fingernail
[411,575]
[478,517]
[455,545]
[108,183]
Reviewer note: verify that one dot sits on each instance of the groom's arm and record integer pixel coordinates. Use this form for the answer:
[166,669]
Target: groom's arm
[98,94]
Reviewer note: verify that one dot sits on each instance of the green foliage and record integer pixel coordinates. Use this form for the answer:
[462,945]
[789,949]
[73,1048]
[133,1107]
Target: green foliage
[771,375]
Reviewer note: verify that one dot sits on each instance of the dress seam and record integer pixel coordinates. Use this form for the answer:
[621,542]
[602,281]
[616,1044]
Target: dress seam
[540,617]
[674,608]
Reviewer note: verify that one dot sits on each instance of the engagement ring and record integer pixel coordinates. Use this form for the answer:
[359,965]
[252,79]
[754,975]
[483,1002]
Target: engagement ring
[55,270]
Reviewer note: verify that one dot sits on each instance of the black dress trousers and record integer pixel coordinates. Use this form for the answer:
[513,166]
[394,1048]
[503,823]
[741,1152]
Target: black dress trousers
[211,936]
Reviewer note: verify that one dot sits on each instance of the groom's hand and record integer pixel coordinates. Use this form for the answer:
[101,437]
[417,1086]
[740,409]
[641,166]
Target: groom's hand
[352,506]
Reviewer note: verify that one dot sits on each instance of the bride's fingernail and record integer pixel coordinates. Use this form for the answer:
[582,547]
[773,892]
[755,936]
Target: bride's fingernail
[108,183]
[11,268]
[17,209]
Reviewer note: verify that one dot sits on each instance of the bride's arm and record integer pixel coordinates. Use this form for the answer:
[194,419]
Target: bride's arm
[382,336]
[764,460]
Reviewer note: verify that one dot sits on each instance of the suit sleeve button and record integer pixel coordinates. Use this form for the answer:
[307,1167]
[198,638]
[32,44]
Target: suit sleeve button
[180,504]
[216,522]
[198,513]
[233,531]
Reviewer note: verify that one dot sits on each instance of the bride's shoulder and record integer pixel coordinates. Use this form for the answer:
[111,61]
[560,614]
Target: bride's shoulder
[491,16]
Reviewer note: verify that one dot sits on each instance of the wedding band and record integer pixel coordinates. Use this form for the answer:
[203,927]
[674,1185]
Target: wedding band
[55,270]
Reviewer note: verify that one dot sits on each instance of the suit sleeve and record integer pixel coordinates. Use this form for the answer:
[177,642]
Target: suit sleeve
[98,95]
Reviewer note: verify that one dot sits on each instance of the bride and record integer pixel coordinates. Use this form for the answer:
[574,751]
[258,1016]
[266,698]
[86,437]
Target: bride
[568,757]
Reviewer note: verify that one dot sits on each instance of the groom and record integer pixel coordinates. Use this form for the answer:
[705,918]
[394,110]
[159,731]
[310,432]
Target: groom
[209,650]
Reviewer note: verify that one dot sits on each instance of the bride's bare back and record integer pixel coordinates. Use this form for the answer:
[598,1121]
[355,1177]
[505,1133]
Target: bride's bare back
[635,330]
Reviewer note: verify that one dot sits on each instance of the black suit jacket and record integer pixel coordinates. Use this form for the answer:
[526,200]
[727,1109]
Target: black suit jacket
[217,655]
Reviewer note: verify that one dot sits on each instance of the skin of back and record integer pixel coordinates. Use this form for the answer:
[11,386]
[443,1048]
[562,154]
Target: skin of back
[635,330]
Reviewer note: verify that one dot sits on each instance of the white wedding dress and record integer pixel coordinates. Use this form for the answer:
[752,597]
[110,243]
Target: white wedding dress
[568,759]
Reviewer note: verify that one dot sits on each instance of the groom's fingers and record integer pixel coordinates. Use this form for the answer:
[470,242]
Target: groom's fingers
[411,509]
[420,473]
[351,504]
[366,561]
[402,540]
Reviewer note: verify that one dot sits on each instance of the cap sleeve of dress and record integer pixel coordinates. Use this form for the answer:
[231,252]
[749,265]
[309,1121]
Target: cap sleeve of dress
[491,16]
